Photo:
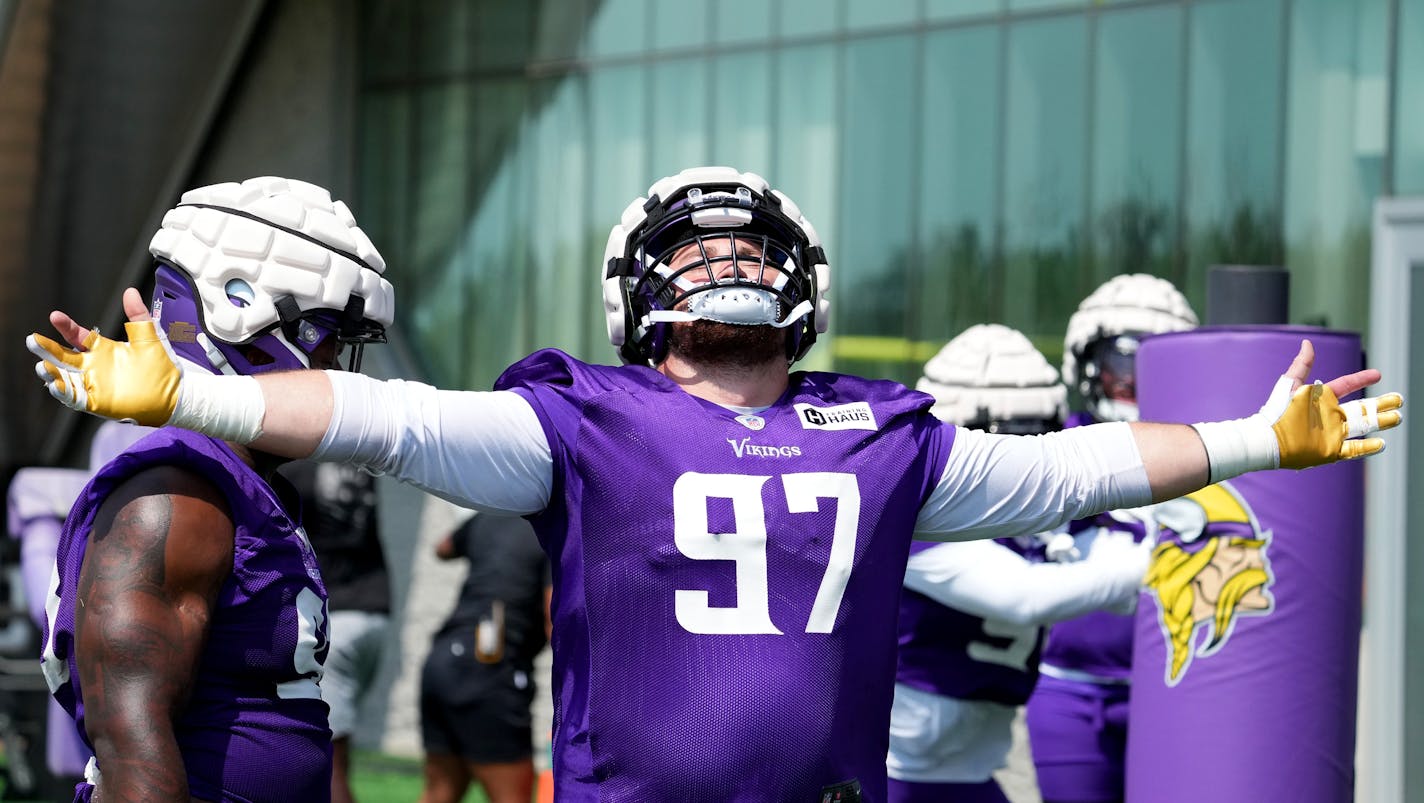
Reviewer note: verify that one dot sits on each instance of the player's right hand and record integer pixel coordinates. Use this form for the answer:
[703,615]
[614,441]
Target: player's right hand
[134,380]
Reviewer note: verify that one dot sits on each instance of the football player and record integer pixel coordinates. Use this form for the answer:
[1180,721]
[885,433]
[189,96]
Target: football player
[1077,717]
[972,615]
[187,620]
[39,500]
[728,538]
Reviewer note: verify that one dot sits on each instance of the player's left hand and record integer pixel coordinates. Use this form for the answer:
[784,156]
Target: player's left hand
[133,380]
[1313,428]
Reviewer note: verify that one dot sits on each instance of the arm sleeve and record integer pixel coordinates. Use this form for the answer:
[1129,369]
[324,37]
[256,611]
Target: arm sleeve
[1002,485]
[482,450]
[993,582]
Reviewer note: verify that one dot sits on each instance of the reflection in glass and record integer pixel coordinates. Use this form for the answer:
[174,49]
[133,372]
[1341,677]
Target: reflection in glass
[680,104]
[959,195]
[1409,102]
[1044,176]
[741,132]
[1335,158]
[880,13]
[742,21]
[561,237]
[878,179]
[805,145]
[680,26]
[618,171]
[809,17]
[1137,130]
[957,9]
[618,27]
[1233,136]
[439,209]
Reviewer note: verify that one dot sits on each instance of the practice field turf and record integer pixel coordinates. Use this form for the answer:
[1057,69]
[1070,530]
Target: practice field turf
[375,778]
[379,778]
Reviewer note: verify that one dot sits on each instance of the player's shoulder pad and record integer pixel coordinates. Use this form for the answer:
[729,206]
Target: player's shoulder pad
[554,368]
[202,455]
[889,399]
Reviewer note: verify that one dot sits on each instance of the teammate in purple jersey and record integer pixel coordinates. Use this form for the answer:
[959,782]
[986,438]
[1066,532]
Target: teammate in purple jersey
[728,537]
[1077,717]
[187,619]
[972,615]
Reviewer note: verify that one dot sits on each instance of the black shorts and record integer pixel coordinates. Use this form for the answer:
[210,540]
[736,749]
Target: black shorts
[478,712]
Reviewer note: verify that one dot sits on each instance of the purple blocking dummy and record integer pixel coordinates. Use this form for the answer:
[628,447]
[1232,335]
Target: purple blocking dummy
[1247,633]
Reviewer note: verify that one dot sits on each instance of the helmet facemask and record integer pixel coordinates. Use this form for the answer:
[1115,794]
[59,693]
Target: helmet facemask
[1109,381]
[714,251]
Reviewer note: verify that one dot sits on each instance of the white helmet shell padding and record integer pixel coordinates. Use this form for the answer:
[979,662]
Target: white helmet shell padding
[281,237]
[993,372]
[1132,302]
[627,331]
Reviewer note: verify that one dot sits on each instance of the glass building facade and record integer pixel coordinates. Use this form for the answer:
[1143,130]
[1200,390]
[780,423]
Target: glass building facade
[966,161]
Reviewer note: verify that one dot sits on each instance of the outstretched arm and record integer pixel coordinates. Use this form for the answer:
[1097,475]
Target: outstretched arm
[411,431]
[991,581]
[158,554]
[142,381]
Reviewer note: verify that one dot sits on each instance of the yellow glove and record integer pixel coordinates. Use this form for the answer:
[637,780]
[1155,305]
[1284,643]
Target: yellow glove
[1298,429]
[135,380]
[1315,428]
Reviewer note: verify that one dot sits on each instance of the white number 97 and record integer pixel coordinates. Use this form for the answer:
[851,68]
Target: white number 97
[746,546]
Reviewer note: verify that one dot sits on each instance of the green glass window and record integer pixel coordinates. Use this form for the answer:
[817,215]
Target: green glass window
[959,196]
[1233,134]
[1137,145]
[1335,146]
[1409,100]
[878,177]
[1045,144]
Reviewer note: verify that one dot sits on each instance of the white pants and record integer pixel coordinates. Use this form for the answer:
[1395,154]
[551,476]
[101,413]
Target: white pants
[357,639]
[935,739]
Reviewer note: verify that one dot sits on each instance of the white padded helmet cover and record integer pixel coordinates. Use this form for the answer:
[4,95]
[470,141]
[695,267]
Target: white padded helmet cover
[281,236]
[995,369]
[1131,302]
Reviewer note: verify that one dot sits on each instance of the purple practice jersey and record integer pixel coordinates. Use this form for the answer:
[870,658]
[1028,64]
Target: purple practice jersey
[955,654]
[725,586]
[255,728]
[1097,643]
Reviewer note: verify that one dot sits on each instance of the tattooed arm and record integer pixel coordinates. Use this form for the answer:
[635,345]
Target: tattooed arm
[159,552]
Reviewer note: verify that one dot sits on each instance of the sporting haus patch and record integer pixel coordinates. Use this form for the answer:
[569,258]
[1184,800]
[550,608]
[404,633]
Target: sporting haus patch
[856,415]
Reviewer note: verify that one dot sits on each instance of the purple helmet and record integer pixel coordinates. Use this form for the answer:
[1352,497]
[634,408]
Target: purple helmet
[774,271]
[257,276]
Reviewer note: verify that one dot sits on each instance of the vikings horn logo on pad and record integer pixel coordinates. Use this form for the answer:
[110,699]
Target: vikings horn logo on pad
[1213,572]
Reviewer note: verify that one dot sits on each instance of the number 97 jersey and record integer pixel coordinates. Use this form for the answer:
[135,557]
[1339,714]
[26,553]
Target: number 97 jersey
[726,585]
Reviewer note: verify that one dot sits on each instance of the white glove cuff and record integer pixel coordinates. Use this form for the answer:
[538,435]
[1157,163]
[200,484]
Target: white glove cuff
[229,408]
[1235,447]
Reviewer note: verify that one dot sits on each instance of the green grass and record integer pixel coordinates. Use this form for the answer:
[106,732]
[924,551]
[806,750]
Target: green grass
[379,778]
[375,778]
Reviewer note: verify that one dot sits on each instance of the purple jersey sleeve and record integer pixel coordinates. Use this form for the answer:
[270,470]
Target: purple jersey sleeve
[725,586]
[255,728]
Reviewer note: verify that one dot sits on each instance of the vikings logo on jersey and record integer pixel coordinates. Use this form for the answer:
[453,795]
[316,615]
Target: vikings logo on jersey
[1213,572]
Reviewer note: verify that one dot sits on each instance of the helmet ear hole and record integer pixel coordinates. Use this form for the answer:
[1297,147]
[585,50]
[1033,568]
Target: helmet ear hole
[239,293]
